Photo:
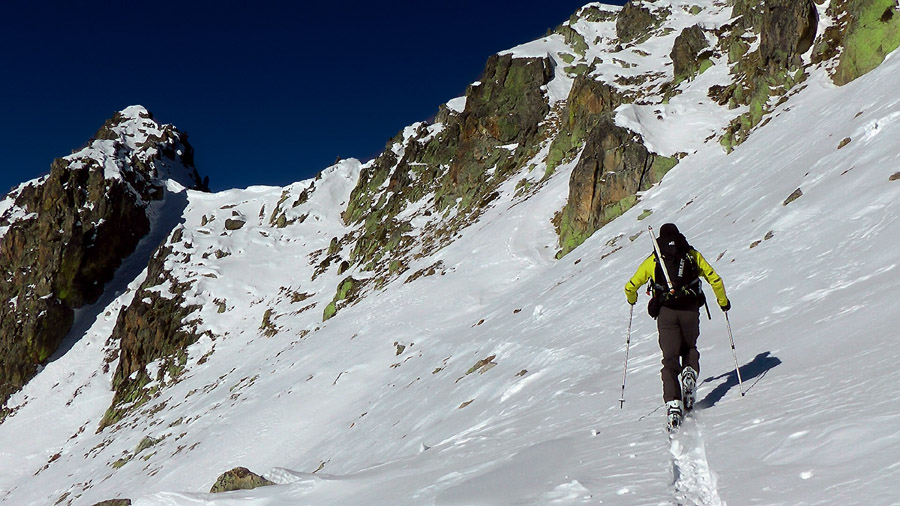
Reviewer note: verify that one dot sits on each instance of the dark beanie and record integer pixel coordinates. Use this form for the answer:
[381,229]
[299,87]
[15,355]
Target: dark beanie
[669,230]
[669,234]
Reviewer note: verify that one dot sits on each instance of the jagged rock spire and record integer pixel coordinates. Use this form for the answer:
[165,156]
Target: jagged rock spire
[63,236]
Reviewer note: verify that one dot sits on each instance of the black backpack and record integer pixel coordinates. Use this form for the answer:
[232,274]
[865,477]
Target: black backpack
[686,291]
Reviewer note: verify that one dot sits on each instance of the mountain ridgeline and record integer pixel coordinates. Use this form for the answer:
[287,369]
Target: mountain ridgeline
[548,108]
[70,239]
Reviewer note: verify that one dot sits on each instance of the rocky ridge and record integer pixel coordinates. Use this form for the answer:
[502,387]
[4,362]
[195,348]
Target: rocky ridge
[64,235]
[554,103]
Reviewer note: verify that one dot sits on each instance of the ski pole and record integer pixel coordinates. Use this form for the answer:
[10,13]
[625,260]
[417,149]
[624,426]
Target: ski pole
[627,346]
[734,352]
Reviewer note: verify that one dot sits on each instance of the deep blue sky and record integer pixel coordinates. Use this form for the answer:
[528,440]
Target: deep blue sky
[269,92]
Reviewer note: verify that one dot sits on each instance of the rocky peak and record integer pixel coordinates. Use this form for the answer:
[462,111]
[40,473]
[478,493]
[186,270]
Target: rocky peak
[153,153]
[63,236]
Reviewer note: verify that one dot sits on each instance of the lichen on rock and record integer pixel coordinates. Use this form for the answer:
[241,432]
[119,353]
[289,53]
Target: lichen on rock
[239,478]
[785,30]
[635,22]
[613,167]
[864,33]
[450,169]
[347,291]
[687,53]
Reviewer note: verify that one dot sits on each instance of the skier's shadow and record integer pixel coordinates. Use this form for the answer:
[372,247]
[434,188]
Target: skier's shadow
[757,368]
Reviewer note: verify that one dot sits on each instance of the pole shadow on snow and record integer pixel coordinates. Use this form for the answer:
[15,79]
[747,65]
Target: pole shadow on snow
[757,368]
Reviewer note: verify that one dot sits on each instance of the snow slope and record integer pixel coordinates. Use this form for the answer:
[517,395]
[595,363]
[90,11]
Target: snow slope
[496,380]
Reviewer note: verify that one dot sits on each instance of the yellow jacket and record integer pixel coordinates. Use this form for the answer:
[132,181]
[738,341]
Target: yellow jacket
[647,269]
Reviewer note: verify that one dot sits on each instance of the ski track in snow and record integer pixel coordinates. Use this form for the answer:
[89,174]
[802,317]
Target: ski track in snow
[694,483]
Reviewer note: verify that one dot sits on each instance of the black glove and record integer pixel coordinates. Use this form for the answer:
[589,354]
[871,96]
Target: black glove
[727,306]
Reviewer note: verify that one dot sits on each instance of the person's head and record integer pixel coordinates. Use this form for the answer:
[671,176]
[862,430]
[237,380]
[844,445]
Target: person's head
[669,230]
[671,237]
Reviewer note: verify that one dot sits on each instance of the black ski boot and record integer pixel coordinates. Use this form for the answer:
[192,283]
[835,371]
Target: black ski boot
[674,414]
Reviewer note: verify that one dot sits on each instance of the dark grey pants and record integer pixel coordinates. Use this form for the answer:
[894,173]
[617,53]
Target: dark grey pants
[678,333]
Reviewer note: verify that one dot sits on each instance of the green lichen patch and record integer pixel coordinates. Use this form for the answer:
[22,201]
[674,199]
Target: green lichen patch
[872,32]
[570,234]
[120,463]
[577,70]
[568,58]
[347,290]
[147,442]
[573,39]
[563,149]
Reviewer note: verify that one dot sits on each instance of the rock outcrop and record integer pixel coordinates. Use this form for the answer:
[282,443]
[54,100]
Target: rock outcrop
[63,236]
[613,167]
[864,33]
[634,22]
[239,478]
[504,108]
[152,328]
[687,53]
[785,31]
[460,160]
